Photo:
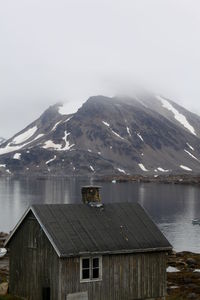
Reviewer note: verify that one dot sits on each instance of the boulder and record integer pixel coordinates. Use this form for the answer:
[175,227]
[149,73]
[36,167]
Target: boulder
[191,261]
[192,296]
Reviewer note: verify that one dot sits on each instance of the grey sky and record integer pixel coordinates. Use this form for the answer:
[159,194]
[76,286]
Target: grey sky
[59,50]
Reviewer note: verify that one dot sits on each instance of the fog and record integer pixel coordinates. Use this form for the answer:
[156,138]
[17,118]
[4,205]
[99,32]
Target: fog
[68,50]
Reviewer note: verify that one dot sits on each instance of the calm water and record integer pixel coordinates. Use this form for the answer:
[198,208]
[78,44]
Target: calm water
[172,207]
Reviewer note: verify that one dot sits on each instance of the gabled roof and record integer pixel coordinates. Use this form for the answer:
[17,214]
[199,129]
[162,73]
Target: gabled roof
[78,229]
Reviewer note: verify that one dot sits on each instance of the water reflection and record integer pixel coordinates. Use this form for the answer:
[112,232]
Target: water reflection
[172,207]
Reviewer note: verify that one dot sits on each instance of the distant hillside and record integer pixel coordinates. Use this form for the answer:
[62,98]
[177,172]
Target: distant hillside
[146,135]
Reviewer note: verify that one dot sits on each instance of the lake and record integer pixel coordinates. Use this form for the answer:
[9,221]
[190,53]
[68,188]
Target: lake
[172,207]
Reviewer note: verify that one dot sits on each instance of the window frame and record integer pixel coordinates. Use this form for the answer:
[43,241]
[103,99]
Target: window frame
[91,279]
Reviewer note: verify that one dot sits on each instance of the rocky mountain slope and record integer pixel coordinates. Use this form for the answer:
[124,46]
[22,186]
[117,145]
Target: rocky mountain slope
[147,135]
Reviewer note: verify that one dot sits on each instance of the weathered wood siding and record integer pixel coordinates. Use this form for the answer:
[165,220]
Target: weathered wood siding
[33,262]
[124,277]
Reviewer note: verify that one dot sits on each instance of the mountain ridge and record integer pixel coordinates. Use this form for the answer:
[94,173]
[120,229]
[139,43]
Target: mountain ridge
[146,135]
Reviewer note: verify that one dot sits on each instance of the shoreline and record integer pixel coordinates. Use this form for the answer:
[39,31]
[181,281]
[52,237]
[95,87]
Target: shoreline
[183,179]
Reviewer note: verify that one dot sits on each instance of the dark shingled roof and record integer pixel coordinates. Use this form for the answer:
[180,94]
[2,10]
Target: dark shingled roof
[78,229]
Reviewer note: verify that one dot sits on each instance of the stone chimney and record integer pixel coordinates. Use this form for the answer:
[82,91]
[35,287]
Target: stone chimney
[90,195]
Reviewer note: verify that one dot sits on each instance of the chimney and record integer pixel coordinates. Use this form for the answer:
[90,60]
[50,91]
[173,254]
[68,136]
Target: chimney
[90,195]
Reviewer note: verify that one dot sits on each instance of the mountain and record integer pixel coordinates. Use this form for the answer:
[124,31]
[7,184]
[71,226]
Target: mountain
[2,140]
[147,135]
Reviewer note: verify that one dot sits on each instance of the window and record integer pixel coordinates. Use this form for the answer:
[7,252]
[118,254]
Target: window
[90,268]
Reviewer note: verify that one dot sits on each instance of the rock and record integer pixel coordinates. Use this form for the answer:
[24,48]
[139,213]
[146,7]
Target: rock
[196,290]
[191,261]
[192,296]
[3,288]
[191,268]
[193,286]
[180,254]
[187,280]
[196,275]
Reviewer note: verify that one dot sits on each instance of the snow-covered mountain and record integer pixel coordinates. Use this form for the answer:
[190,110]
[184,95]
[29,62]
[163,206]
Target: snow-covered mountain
[147,134]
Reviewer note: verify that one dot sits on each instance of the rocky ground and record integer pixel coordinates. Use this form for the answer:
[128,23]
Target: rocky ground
[4,268]
[183,275]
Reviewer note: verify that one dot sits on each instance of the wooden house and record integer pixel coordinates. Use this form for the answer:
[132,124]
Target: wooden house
[88,251]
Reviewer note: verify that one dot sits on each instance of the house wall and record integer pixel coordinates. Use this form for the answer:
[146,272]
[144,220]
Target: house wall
[33,262]
[124,277]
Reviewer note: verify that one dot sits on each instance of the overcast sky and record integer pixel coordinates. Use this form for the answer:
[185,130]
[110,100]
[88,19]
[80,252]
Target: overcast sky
[67,50]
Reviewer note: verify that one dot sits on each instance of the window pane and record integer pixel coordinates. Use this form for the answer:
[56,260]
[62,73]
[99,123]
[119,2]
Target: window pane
[95,262]
[86,274]
[85,263]
[95,273]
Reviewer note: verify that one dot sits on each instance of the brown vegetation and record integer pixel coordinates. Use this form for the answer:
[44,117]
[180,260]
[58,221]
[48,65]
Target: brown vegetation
[184,283]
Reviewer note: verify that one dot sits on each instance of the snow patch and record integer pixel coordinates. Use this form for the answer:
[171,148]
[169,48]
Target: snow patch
[50,144]
[115,133]
[142,167]
[185,168]
[178,116]
[121,170]
[68,119]
[105,123]
[190,146]
[128,130]
[91,167]
[191,155]
[162,170]
[67,144]
[172,269]
[19,139]
[89,150]
[139,135]
[58,147]
[8,148]
[52,159]
[119,136]
[55,126]
[2,165]
[17,156]
[11,148]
